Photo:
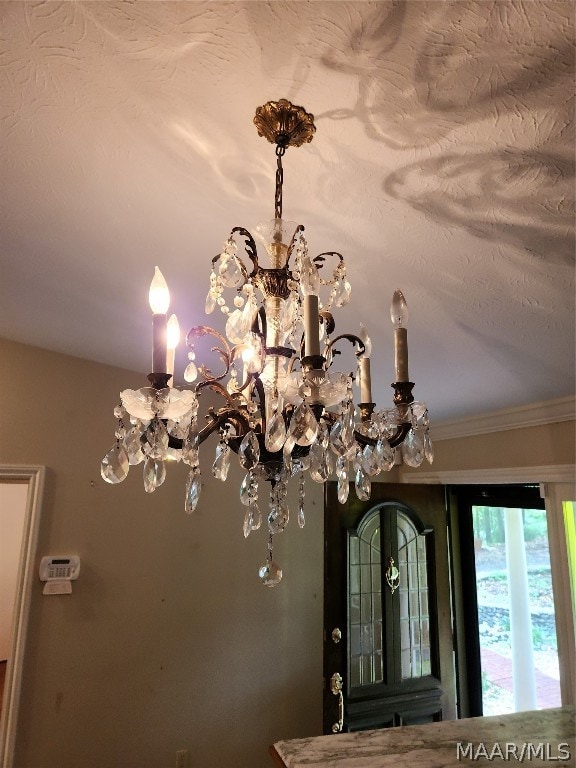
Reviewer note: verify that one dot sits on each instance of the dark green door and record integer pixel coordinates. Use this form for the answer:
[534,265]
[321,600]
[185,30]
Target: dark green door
[388,651]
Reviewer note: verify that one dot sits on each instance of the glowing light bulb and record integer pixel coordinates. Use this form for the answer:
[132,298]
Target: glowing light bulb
[173,332]
[159,295]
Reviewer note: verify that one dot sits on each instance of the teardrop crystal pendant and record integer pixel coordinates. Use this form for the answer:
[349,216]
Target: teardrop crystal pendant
[343,292]
[428,448]
[384,454]
[193,488]
[342,475]
[210,304]
[115,465]
[221,462]
[413,448]
[270,574]
[133,446]
[247,528]
[275,433]
[154,474]
[249,451]
[362,486]
[319,467]
[231,273]
[303,425]
[190,372]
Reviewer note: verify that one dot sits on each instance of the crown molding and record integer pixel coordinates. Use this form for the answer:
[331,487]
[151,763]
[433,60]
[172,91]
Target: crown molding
[551,473]
[535,414]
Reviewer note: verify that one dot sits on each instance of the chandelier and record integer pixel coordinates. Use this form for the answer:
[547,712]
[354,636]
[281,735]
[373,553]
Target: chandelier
[284,410]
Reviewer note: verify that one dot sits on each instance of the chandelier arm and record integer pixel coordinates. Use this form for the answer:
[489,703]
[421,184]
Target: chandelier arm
[250,248]
[321,258]
[199,331]
[355,340]
[400,435]
[231,415]
[299,229]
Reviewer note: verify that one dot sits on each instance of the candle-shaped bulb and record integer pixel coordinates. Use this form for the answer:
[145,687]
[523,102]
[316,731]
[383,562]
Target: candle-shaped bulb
[173,336]
[172,340]
[309,277]
[159,295]
[399,310]
[399,315]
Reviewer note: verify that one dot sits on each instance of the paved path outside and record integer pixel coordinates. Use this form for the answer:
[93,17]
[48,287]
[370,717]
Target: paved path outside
[498,669]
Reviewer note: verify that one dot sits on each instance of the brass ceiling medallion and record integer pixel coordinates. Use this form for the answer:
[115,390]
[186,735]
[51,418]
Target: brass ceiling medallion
[284,123]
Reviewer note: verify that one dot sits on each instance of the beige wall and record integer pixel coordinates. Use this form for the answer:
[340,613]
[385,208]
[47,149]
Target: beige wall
[535,446]
[168,641]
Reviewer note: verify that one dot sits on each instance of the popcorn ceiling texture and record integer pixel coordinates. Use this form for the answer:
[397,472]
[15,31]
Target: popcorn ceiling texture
[443,163]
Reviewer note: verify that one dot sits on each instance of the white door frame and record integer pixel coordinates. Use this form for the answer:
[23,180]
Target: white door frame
[34,477]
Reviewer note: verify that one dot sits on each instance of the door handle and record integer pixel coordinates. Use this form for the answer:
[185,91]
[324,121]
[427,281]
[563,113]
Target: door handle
[336,635]
[336,688]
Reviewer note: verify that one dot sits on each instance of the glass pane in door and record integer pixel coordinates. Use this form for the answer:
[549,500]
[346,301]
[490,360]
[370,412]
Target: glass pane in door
[365,605]
[413,597]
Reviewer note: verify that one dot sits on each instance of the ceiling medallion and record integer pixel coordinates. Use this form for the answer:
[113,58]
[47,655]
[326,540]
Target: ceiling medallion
[285,124]
[285,410]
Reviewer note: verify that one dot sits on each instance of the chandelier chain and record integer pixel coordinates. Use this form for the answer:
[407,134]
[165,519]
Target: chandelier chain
[279,181]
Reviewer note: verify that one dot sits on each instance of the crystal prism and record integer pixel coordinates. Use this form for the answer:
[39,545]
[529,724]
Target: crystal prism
[413,448]
[270,574]
[384,454]
[115,465]
[319,467]
[343,292]
[231,272]
[303,425]
[301,518]
[362,486]
[221,462]
[247,527]
[236,326]
[249,451]
[156,440]
[190,454]
[371,463]
[343,489]
[278,517]
[275,433]
[210,304]
[428,448]
[154,474]
[256,517]
[133,446]
[190,373]
[193,488]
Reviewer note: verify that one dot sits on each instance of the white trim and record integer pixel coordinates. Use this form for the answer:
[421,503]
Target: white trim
[34,476]
[533,415]
[552,473]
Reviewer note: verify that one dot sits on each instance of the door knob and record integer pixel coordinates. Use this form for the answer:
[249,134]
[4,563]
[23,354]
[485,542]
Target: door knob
[336,635]
[336,688]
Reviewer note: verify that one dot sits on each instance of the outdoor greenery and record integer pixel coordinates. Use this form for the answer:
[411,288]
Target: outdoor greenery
[489,524]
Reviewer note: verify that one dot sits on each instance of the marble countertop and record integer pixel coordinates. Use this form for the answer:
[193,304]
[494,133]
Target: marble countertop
[505,739]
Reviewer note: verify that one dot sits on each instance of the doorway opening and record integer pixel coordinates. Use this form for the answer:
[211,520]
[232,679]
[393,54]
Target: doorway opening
[516,621]
[505,624]
[20,539]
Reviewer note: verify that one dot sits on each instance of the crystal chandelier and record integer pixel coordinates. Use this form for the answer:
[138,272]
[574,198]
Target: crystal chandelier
[284,410]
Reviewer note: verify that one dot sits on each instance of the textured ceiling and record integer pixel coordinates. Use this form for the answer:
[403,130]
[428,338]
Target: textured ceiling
[443,164]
